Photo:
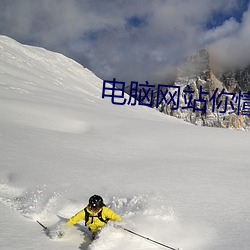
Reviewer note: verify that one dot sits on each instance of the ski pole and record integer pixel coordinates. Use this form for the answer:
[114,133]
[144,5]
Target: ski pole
[45,228]
[146,238]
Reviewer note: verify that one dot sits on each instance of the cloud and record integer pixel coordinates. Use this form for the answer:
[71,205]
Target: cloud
[228,28]
[233,49]
[129,40]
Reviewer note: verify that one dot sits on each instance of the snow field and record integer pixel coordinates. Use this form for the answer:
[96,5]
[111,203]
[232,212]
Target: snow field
[60,142]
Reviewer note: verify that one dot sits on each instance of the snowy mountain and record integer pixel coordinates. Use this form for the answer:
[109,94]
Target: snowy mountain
[182,185]
[239,77]
[205,93]
[200,72]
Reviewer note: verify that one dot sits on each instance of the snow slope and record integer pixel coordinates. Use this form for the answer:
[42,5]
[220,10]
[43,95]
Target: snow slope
[60,142]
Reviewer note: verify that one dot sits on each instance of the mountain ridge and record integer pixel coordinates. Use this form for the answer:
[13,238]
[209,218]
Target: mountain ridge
[200,72]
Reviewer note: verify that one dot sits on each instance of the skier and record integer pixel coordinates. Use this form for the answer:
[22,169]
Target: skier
[95,214]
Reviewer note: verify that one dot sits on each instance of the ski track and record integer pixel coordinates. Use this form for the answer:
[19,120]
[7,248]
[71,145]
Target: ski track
[139,215]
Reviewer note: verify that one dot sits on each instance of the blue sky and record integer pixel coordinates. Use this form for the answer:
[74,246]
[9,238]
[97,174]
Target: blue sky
[218,17]
[132,40]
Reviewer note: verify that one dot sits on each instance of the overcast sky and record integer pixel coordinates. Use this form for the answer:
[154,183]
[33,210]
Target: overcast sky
[132,40]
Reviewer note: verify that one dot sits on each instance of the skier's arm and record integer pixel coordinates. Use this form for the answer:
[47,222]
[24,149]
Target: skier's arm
[77,217]
[110,214]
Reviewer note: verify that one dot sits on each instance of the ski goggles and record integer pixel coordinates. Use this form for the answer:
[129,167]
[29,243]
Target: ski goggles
[94,208]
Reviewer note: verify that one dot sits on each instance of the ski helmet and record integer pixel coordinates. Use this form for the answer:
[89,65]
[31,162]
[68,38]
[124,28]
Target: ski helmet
[95,202]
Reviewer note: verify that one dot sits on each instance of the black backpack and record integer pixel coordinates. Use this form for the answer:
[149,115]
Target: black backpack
[88,216]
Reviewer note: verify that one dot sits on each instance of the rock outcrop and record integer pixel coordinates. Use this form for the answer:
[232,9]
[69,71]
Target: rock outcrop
[202,94]
[215,95]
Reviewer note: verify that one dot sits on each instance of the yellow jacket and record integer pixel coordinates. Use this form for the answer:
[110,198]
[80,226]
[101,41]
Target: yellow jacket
[94,223]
